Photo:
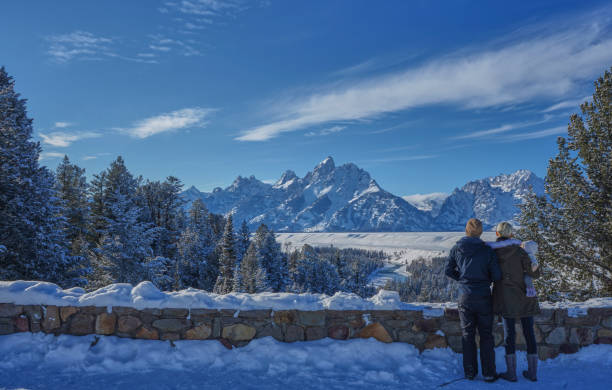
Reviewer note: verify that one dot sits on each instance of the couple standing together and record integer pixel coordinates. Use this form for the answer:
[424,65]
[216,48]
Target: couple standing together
[507,264]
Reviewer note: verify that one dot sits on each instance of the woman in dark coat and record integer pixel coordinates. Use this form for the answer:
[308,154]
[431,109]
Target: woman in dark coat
[511,301]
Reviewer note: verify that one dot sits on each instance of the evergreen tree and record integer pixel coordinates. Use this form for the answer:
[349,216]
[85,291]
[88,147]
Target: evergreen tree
[198,217]
[572,223]
[125,246]
[242,245]
[340,263]
[196,250]
[97,205]
[123,240]
[158,270]
[227,262]
[32,231]
[162,205]
[248,270]
[271,260]
[71,187]
[237,284]
[243,241]
[304,270]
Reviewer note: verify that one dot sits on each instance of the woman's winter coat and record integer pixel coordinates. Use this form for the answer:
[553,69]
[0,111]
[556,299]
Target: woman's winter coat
[509,293]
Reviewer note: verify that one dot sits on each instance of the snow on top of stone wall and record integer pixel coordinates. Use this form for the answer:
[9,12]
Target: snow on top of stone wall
[146,295]
[579,309]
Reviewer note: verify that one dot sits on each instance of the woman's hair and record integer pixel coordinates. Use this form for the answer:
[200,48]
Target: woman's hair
[473,228]
[504,229]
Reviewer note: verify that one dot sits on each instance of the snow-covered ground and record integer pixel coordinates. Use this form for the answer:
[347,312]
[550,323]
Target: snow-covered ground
[39,361]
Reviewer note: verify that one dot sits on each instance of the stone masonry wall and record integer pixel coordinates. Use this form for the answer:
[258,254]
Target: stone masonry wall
[556,332]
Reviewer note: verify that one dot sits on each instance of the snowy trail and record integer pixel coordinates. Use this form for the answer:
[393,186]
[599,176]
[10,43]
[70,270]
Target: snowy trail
[38,361]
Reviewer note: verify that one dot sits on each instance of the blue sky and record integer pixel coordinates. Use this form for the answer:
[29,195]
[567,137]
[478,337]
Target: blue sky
[425,95]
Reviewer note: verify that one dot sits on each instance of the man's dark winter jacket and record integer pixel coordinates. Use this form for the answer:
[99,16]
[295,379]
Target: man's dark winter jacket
[474,265]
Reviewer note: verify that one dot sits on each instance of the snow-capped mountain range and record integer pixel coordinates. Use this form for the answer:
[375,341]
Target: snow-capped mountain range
[346,198]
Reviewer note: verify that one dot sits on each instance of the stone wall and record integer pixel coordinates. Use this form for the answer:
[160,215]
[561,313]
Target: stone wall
[556,331]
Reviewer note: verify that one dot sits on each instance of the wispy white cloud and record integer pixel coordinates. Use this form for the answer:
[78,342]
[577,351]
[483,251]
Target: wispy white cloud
[78,45]
[543,65]
[575,104]
[328,131]
[62,125]
[560,130]
[187,47]
[171,121]
[83,45]
[49,155]
[62,139]
[502,129]
[489,132]
[194,15]
[206,7]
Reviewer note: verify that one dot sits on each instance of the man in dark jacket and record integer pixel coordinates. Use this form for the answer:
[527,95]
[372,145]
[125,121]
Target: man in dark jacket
[474,265]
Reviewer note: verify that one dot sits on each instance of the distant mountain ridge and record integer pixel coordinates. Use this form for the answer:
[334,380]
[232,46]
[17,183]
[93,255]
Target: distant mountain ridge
[347,198]
[492,200]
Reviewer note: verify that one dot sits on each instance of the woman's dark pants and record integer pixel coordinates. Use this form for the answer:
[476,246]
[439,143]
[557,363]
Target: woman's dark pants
[528,332]
[476,312]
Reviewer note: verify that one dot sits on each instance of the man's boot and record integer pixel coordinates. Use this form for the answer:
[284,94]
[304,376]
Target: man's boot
[532,368]
[510,374]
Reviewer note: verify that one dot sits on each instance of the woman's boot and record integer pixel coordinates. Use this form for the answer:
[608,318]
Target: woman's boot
[510,374]
[532,368]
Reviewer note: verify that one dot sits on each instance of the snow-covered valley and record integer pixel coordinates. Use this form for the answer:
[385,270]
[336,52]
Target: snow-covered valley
[401,247]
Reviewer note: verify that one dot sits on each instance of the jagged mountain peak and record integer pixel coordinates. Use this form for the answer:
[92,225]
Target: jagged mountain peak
[286,179]
[324,167]
[251,182]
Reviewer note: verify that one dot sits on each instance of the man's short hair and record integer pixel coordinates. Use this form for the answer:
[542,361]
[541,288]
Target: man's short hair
[504,229]
[473,228]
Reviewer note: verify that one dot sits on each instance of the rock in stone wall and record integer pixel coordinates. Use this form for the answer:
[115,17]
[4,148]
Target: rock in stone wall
[556,331]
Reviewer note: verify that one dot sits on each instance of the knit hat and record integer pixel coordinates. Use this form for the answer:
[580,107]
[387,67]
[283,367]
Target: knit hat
[473,227]
[504,229]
